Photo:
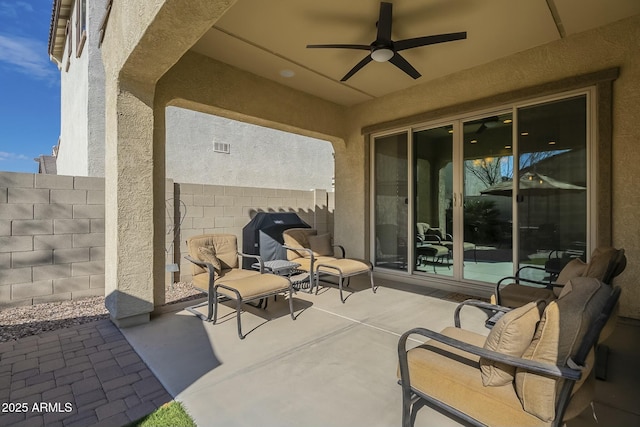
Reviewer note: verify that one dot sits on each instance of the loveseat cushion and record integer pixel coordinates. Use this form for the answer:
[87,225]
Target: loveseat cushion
[574,268]
[452,376]
[516,295]
[511,335]
[599,262]
[561,329]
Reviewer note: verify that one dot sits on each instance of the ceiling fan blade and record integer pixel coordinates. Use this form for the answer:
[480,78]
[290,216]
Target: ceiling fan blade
[357,68]
[384,22]
[424,41]
[339,46]
[404,65]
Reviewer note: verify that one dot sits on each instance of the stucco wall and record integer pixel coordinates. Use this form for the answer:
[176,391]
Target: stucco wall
[615,45]
[81,150]
[257,156]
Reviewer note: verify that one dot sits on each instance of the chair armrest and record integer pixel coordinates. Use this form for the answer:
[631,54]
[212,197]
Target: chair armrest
[524,282]
[476,303]
[529,267]
[207,266]
[343,253]
[257,257]
[529,365]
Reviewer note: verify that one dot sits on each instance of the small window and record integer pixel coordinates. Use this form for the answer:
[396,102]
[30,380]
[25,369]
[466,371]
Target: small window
[81,25]
[221,147]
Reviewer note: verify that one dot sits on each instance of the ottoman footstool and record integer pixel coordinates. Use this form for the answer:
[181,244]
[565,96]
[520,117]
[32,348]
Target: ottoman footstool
[344,268]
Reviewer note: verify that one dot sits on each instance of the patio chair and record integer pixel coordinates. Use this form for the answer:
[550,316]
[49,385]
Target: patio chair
[438,237]
[216,271]
[529,371]
[315,254]
[515,291]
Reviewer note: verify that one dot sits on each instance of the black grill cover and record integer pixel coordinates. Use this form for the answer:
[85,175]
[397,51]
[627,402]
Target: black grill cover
[263,235]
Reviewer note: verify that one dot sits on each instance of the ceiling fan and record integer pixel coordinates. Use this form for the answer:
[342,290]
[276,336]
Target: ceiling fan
[384,49]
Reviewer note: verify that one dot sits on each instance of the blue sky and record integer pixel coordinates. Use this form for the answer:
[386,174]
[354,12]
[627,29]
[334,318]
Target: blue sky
[29,85]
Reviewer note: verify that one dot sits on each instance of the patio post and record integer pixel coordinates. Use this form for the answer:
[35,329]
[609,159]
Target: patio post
[134,175]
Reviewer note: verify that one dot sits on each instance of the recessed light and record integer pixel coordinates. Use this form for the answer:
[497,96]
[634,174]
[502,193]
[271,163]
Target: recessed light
[552,143]
[450,131]
[507,121]
[524,133]
[474,141]
[287,73]
[508,147]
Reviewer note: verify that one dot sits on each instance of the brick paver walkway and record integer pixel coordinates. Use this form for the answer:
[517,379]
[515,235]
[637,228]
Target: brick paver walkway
[86,375]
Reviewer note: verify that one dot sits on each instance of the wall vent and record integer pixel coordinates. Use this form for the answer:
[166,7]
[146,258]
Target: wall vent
[221,147]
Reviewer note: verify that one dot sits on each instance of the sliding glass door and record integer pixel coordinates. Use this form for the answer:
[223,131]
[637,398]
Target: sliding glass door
[488,197]
[391,202]
[433,200]
[477,197]
[552,184]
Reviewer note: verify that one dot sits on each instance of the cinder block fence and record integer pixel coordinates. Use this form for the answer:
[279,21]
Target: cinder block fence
[52,229]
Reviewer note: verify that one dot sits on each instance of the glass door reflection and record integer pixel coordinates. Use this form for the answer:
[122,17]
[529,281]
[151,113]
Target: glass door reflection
[488,197]
[433,168]
[552,196]
[391,201]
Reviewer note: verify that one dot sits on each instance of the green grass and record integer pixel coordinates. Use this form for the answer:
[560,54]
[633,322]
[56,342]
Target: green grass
[170,414]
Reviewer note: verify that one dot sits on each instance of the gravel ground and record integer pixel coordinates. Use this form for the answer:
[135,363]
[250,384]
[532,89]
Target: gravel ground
[20,322]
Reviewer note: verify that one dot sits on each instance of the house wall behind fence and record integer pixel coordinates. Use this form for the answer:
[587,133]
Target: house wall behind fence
[52,229]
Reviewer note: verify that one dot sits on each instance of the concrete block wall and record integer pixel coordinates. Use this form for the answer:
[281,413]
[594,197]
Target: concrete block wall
[51,238]
[52,229]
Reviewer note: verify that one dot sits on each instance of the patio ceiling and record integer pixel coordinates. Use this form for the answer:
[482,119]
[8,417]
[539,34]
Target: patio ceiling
[267,37]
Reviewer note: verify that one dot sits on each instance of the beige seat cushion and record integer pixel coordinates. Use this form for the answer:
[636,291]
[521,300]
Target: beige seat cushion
[453,377]
[511,335]
[561,329]
[516,295]
[305,263]
[201,281]
[347,266]
[253,286]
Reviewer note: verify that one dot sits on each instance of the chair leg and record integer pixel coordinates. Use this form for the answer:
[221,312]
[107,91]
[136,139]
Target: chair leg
[213,311]
[238,311]
[291,304]
[373,288]
[406,407]
[340,280]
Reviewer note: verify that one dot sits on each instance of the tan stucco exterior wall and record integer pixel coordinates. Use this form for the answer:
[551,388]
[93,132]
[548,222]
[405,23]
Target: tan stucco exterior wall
[146,41]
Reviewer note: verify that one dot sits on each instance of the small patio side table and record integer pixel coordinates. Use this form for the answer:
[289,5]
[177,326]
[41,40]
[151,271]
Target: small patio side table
[299,279]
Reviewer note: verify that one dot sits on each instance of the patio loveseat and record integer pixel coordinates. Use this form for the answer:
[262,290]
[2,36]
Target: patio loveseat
[529,371]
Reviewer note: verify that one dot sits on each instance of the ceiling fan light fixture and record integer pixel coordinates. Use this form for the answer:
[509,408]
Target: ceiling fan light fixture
[382,54]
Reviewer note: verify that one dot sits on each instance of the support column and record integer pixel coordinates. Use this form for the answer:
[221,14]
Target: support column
[134,203]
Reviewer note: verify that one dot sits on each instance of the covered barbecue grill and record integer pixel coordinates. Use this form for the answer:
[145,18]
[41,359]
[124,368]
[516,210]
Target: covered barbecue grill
[263,235]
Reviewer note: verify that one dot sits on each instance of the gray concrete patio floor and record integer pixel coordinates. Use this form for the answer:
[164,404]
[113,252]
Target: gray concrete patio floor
[335,365]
